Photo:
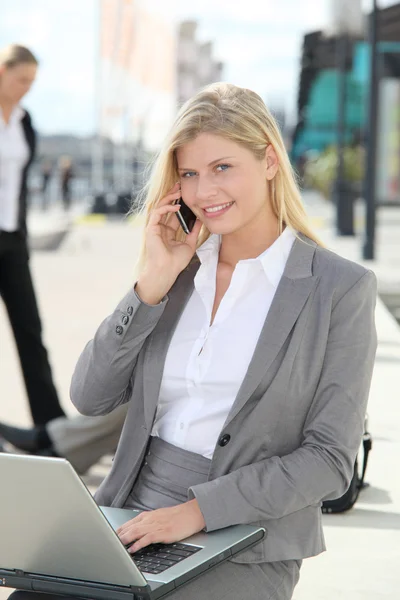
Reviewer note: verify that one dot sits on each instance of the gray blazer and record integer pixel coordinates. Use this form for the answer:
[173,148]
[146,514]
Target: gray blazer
[296,424]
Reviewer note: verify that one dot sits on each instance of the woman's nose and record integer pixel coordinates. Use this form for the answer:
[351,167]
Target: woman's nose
[205,189]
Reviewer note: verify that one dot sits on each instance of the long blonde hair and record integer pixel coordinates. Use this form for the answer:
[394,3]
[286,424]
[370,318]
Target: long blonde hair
[240,115]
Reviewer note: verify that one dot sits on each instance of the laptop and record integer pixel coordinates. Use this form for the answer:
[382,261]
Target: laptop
[54,538]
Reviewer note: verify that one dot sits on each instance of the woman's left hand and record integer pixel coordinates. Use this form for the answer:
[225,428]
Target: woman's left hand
[164,525]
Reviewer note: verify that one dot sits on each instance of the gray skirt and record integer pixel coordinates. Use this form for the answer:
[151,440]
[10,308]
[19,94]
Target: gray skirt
[164,480]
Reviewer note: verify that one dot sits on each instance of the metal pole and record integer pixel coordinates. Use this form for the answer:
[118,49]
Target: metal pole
[341,191]
[97,143]
[342,196]
[370,167]
[341,122]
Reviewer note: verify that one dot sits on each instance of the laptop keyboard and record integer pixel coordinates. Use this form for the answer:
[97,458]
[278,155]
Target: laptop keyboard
[156,558]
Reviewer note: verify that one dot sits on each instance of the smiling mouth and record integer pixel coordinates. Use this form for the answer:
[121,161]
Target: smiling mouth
[219,208]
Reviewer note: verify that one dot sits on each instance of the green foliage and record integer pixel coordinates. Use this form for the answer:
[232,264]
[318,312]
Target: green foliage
[320,170]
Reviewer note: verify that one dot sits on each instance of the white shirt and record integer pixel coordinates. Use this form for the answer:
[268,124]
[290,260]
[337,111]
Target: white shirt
[14,154]
[205,365]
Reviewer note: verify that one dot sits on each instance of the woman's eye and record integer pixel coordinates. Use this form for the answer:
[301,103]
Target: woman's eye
[222,167]
[188,174]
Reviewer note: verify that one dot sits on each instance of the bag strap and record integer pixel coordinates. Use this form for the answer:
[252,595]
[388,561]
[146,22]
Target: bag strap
[367,445]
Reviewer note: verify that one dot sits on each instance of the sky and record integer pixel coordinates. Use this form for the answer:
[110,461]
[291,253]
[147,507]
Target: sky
[259,42]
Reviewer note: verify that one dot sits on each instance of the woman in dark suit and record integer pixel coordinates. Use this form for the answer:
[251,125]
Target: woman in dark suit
[18,68]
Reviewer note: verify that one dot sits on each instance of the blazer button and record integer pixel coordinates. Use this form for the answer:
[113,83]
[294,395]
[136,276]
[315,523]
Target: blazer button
[125,320]
[118,329]
[129,310]
[224,439]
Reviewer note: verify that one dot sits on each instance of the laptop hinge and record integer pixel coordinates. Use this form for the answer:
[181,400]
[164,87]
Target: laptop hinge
[141,593]
[14,578]
[138,593]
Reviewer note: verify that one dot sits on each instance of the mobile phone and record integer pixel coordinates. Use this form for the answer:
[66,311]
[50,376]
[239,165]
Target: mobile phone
[186,216]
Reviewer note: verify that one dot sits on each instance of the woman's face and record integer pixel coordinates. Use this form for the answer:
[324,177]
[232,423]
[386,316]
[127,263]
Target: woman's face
[224,184]
[16,81]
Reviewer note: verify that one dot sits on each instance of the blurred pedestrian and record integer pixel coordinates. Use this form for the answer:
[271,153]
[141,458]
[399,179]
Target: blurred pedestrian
[46,170]
[66,175]
[18,68]
[82,440]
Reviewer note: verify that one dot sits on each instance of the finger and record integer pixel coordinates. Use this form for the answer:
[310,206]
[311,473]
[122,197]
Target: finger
[166,209]
[168,234]
[162,220]
[172,222]
[157,215]
[123,529]
[128,524]
[173,194]
[146,540]
[169,198]
[132,534]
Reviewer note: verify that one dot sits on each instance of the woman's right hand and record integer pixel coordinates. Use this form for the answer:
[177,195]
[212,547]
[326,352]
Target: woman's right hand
[165,256]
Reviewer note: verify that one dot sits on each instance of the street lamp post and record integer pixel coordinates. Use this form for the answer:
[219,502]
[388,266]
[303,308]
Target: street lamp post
[370,165]
[341,191]
[97,151]
[345,23]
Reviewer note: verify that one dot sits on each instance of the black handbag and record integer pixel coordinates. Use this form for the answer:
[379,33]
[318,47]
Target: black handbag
[349,498]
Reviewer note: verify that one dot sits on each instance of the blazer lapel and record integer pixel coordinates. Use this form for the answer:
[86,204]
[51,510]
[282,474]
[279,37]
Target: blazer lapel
[291,295]
[157,348]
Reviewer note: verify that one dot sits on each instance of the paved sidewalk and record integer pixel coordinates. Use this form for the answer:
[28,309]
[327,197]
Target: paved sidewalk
[387,255]
[80,283]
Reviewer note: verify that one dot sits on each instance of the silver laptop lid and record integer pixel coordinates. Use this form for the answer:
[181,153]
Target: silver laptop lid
[50,525]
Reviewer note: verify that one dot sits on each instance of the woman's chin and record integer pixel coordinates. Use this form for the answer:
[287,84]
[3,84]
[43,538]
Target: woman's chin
[225,230]
[219,227]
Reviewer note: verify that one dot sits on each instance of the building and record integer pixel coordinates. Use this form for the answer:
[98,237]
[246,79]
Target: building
[318,98]
[143,79]
[196,65]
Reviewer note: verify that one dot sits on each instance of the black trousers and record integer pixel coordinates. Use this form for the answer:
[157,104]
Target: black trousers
[17,292]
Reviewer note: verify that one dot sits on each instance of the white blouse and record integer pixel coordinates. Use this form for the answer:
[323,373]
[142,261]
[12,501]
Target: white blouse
[14,154]
[205,366]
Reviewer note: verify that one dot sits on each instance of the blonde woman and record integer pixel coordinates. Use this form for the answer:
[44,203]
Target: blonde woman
[18,67]
[244,349]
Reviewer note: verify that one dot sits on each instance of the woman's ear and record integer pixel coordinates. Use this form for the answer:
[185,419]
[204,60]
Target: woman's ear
[271,162]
